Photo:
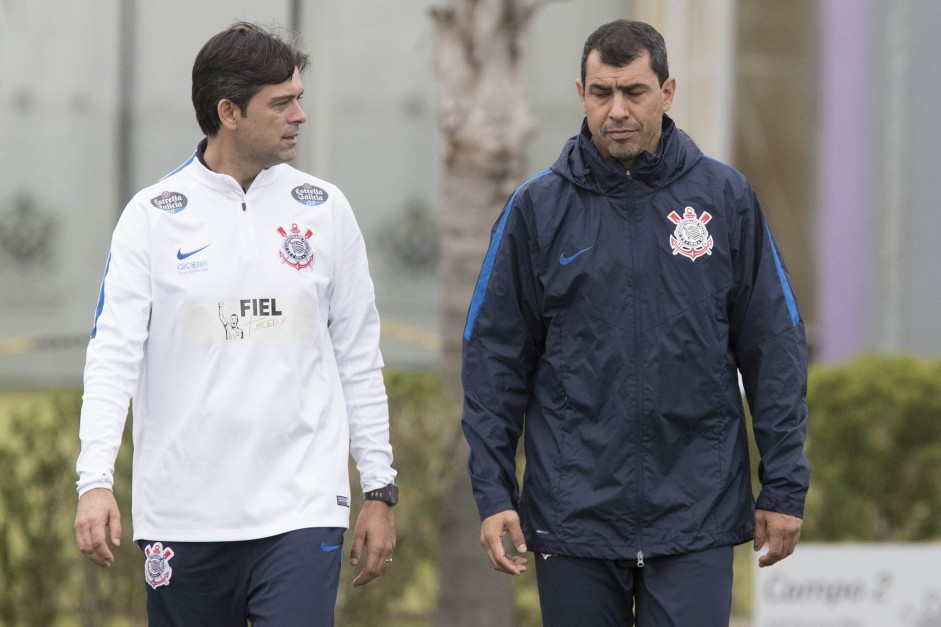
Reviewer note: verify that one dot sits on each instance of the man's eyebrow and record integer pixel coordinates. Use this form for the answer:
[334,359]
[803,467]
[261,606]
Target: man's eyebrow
[286,97]
[630,87]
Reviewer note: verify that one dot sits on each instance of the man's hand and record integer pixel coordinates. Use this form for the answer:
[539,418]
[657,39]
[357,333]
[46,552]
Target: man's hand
[782,533]
[374,532]
[97,511]
[492,530]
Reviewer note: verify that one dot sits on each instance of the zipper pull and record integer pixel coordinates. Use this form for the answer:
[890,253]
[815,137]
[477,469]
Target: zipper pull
[243,206]
[640,559]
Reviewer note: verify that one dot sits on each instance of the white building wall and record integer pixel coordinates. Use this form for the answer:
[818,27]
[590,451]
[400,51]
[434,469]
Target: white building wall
[57,168]
[371,95]
[880,145]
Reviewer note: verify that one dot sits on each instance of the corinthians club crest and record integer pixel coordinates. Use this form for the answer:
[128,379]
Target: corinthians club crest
[690,238]
[296,250]
[157,571]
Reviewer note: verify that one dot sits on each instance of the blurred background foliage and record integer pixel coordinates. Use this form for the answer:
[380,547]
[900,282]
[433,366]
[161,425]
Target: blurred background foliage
[874,442]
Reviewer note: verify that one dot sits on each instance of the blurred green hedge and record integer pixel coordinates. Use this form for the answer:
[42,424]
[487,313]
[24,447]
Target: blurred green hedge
[43,577]
[874,443]
[44,580]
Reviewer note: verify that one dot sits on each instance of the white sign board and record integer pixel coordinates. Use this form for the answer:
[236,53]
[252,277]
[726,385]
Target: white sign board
[851,585]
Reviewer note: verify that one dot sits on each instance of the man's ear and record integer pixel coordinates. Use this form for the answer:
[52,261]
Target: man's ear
[580,87]
[229,114]
[669,90]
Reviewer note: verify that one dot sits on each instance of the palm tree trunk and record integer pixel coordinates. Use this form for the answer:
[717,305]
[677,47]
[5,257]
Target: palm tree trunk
[485,121]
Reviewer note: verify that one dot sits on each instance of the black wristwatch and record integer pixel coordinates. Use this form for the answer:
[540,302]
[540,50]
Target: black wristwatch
[388,494]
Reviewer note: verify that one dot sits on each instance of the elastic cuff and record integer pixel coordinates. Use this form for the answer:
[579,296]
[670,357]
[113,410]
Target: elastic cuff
[87,487]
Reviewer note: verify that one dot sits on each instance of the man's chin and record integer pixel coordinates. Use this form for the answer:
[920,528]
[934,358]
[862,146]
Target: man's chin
[622,153]
[285,157]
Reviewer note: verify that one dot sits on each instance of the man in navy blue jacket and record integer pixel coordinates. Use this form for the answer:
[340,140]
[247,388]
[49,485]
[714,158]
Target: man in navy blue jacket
[624,290]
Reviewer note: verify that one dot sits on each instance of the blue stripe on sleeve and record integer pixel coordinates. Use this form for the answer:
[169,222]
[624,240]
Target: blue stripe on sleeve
[478,300]
[785,284]
[180,167]
[101,298]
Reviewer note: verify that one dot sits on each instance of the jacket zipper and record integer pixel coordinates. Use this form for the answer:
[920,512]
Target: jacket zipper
[638,405]
[246,235]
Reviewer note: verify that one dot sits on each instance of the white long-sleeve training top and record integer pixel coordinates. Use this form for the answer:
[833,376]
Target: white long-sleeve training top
[244,327]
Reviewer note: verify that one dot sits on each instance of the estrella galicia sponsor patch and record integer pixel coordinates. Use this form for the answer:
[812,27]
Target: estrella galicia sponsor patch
[157,571]
[309,195]
[171,202]
[691,238]
[296,250]
[343,501]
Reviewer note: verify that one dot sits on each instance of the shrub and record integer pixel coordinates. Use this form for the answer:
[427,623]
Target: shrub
[42,574]
[418,414]
[44,579]
[874,444]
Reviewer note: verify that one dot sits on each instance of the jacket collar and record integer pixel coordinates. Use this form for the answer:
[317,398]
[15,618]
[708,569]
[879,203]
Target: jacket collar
[223,182]
[581,163]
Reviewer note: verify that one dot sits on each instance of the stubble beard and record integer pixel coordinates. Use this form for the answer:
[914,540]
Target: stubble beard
[626,152]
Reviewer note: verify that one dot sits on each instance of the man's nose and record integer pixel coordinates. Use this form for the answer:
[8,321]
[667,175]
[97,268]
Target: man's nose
[619,107]
[297,115]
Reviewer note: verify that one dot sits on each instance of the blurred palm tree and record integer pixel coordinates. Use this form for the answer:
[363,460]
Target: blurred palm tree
[485,121]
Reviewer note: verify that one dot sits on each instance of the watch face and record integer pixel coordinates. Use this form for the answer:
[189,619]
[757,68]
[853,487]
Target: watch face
[389,494]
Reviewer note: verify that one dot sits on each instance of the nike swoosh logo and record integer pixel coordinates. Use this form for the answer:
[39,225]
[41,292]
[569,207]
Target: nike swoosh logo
[326,548]
[181,255]
[567,260]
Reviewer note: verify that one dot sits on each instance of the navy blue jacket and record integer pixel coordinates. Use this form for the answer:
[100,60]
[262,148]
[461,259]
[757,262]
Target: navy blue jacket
[609,322]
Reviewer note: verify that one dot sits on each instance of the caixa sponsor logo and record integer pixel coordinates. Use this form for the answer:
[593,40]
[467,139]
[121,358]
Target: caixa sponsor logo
[309,195]
[171,202]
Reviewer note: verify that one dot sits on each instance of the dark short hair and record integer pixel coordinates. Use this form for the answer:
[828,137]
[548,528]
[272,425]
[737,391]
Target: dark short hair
[235,64]
[622,41]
